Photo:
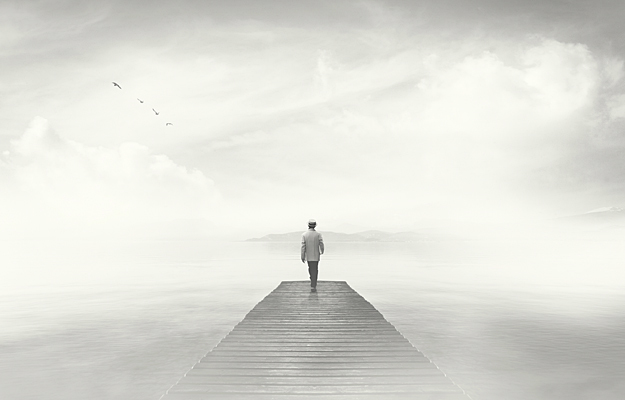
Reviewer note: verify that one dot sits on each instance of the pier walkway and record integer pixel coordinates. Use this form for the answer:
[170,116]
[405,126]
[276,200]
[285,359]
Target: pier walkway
[326,345]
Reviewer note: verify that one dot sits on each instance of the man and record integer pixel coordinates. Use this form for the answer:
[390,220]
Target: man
[312,249]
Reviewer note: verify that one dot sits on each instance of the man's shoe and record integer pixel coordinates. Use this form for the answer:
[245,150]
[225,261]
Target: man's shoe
[313,289]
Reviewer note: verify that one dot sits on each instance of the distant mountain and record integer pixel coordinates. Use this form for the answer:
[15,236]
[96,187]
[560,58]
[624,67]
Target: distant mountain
[601,214]
[605,209]
[601,220]
[366,236]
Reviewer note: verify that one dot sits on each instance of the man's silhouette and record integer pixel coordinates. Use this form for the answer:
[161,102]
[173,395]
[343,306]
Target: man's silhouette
[312,249]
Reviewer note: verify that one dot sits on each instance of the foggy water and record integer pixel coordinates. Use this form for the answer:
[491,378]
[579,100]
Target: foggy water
[504,320]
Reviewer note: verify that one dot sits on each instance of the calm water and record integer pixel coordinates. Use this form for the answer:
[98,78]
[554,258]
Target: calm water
[504,320]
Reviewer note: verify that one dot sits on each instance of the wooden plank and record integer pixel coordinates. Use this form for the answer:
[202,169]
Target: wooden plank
[308,359]
[326,345]
[322,366]
[336,351]
[302,335]
[312,389]
[270,372]
[270,345]
[311,380]
[301,356]
[334,396]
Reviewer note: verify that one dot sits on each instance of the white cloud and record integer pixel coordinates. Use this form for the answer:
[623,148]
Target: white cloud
[616,106]
[323,74]
[389,118]
[473,137]
[244,139]
[614,71]
[563,75]
[56,186]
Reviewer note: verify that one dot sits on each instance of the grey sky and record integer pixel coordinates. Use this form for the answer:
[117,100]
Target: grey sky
[385,112]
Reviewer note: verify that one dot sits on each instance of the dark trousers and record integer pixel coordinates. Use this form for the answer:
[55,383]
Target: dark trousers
[313,271]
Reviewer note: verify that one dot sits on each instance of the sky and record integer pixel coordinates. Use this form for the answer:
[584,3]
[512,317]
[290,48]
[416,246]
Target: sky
[360,114]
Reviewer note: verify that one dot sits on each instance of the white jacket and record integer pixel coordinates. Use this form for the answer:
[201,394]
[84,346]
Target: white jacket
[312,245]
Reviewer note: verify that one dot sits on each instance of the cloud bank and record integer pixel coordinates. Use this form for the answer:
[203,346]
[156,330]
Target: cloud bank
[480,135]
[368,113]
[54,187]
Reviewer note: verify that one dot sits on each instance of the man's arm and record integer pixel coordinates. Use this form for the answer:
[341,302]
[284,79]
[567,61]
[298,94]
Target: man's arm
[321,248]
[303,248]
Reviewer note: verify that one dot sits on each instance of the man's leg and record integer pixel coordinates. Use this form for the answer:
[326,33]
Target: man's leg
[313,271]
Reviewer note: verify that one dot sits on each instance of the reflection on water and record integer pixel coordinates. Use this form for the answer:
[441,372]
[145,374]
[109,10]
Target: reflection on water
[505,320]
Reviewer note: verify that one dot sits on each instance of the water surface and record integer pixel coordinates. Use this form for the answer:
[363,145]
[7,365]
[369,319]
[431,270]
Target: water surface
[504,320]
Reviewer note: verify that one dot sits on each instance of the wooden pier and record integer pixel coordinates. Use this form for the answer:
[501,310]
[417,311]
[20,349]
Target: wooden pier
[326,345]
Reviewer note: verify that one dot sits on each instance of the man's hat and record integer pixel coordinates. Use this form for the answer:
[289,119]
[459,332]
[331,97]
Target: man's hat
[312,222]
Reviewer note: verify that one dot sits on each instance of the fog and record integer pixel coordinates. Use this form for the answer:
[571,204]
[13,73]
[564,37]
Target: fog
[500,317]
[486,139]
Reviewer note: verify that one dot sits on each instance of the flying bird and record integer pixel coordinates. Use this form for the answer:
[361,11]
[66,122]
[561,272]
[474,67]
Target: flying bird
[116,84]
[140,101]
[168,123]
[155,112]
